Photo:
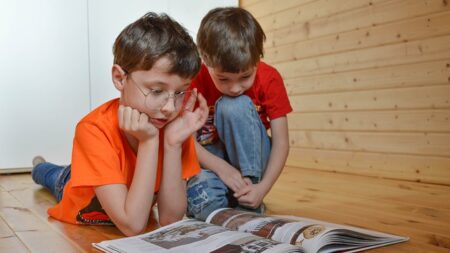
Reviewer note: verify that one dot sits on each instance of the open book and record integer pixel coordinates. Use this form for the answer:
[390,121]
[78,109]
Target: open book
[229,230]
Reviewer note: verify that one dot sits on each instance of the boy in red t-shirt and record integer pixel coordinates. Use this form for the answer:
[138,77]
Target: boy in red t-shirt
[245,98]
[136,150]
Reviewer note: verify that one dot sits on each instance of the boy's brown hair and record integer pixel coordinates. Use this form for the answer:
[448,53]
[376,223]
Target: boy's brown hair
[151,37]
[230,39]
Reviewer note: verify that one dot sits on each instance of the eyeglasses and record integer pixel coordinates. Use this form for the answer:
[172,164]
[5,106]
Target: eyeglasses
[156,98]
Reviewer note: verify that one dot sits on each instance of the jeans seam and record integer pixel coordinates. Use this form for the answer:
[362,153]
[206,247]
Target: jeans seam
[254,123]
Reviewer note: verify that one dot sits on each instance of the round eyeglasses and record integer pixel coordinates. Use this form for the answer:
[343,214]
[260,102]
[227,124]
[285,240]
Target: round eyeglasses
[157,98]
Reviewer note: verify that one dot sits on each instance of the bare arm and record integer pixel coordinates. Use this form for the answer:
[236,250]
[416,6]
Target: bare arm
[252,195]
[278,154]
[229,175]
[172,201]
[129,209]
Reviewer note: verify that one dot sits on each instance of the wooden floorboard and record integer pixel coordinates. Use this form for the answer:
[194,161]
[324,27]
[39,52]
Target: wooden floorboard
[419,211]
[12,244]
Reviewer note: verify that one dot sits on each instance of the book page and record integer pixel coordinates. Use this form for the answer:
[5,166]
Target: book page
[312,235]
[194,236]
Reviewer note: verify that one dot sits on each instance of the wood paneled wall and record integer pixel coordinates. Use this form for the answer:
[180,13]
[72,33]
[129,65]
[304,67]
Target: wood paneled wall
[369,81]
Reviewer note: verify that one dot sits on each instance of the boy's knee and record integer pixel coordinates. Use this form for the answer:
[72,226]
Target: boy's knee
[228,107]
[203,205]
[203,199]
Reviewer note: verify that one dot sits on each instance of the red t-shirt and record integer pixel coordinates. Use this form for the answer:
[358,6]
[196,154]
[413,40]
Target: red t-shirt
[101,155]
[267,93]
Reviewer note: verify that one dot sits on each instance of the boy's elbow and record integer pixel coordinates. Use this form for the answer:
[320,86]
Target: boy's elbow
[284,145]
[287,147]
[133,229]
[166,220]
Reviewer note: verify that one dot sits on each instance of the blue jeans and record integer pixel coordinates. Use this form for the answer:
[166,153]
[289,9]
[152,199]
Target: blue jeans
[243,143]
[51,176]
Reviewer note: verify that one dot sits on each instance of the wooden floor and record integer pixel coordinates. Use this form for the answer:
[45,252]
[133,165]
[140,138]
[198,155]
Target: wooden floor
[419,211]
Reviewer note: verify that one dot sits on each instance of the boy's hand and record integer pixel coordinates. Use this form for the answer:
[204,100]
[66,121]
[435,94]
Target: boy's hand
[136,124]
[233,179]
[188,122]
[252,195]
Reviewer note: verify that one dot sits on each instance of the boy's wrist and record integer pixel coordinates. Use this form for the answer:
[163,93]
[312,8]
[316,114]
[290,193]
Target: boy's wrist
[172,153]
[171,144]
[171,147]
[149,142]
[265,186]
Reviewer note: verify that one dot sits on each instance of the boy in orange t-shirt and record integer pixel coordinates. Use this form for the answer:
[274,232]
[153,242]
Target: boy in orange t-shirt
[135,150]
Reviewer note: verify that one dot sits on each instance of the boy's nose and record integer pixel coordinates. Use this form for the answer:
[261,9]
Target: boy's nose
[235,91]
[169,107]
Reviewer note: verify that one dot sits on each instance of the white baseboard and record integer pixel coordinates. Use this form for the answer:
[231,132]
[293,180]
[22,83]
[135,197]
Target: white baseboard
[15,170]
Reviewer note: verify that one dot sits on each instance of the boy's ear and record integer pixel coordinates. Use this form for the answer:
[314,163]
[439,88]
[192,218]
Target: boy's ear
[118,77]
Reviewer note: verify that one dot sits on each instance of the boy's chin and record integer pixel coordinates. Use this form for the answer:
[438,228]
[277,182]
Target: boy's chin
[234,94]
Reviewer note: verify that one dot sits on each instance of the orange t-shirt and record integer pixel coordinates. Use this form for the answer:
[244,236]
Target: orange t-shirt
[101,155]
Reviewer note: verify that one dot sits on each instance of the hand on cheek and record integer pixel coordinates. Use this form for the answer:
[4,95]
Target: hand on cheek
[188,122]
[136,123]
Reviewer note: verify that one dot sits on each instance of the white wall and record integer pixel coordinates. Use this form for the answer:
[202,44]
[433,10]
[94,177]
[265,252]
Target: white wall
[55,61]
[106,23]
[44,86]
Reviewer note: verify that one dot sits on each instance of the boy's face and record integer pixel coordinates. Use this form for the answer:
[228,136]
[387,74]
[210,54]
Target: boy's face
[154,92]
[232,84]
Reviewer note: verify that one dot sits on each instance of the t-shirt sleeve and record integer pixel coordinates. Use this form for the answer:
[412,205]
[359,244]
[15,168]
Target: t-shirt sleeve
[190,164]
[276,100]
[94,160]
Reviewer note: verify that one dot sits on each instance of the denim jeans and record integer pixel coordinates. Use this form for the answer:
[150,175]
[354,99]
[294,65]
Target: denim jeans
[51,176]
[243,142]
